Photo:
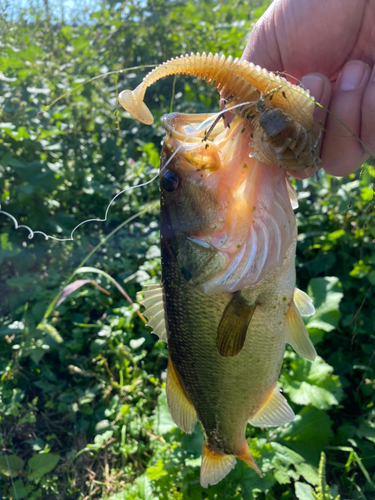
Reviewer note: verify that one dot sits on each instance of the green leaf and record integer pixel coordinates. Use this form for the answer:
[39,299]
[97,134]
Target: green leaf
[367,430]
[371,277]
[335,235]
[308,434]
[10,465]
[311,383]
[326,296]
[360,270]
[284,461]
[367,193]
[163,422]
[41,464]
[157,471]
[135,343]
[99,441]
[19,489]
[304,491]
[144,488]
[193,462]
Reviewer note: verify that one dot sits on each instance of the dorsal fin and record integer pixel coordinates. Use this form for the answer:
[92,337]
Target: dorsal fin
[154,304]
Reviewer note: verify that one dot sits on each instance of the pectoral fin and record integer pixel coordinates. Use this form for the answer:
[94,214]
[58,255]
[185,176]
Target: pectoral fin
[153,302]
[274,412]
[231,333]
[182,411]
[296,334]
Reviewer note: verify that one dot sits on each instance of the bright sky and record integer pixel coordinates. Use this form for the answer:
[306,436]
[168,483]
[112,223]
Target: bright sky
[69,7]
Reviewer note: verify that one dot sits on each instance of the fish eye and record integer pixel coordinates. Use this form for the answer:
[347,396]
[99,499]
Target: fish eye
[169,181]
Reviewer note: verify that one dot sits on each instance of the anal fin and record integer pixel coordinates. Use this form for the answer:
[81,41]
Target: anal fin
[215,466]
[233,326]
[154,304]
[276,411]
[297,335]
[182,411]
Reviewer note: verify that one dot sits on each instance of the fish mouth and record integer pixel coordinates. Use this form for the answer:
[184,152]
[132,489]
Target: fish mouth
[254,224]
[194,139]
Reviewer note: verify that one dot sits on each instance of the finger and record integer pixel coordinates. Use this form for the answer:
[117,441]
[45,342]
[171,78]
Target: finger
[368,117]
[262,47]
[342,152]
[320,88]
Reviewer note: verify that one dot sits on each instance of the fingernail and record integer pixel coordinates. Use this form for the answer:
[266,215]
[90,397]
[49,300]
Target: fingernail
[351,76]
[315,84]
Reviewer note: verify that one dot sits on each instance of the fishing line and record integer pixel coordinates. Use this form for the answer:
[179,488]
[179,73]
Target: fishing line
[32,233]
[97,77]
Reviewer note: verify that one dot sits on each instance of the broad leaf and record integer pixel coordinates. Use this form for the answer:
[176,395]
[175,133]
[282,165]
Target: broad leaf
[163,422]
[326,296]
[311,383]
[308,434]
[287,462]
[41,464]
[304,491]
[19,489]
[10,465]
[144,488]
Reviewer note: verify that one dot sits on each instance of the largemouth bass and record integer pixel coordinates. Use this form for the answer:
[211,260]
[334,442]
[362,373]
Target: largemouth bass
[227,302]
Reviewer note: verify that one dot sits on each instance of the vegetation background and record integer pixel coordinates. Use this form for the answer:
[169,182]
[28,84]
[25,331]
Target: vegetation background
[82,405]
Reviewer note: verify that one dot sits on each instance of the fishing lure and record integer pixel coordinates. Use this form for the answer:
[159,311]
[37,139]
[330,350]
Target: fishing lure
[279,113]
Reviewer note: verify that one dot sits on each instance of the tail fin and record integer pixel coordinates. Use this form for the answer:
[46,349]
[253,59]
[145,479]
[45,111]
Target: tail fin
[215,466]
[245,455]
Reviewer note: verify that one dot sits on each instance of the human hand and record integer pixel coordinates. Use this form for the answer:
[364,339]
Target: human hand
[330,47]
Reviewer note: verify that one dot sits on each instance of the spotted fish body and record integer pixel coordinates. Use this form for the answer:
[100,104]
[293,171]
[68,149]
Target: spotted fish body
[228,237]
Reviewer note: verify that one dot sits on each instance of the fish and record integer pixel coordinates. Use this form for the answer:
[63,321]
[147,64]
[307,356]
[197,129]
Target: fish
[279,113]
[227,304]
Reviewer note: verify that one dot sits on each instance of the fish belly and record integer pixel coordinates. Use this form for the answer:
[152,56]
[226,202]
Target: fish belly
[227,391]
